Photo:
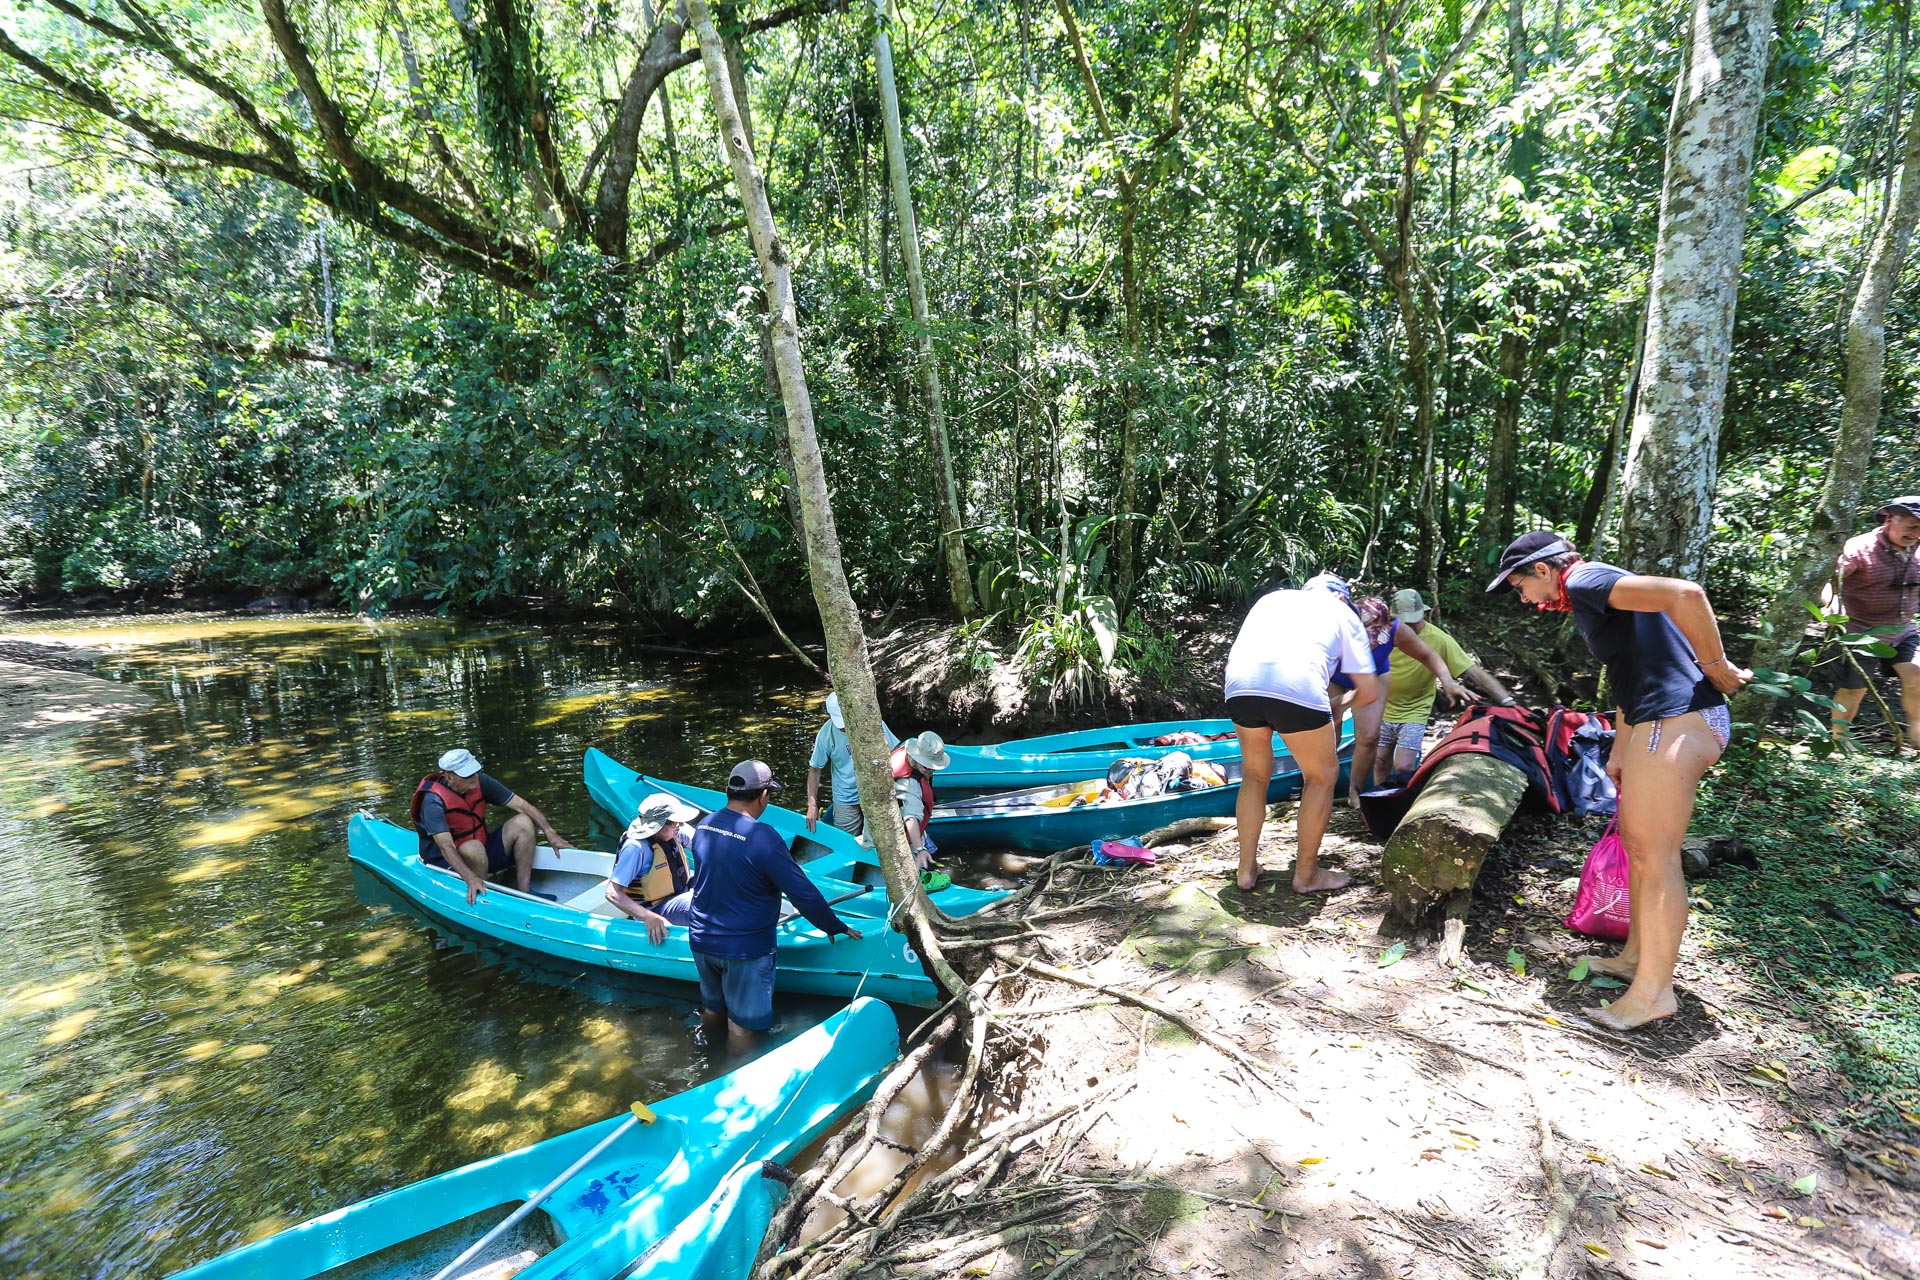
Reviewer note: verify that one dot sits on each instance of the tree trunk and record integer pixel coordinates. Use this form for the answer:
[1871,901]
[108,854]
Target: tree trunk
[946,496]
[1437,849]
[846,643]
[1667,508]
[1853,441]
[1124,541]
[1419,363]
[1597,512]
[1503,447]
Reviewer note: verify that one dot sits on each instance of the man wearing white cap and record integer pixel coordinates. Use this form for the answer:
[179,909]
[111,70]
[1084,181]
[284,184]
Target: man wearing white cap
[652,881]
[1411,688]
[830,748]
[450,813]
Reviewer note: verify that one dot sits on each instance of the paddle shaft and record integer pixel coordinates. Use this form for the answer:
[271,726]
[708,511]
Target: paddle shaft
[535,1200]
[830,902]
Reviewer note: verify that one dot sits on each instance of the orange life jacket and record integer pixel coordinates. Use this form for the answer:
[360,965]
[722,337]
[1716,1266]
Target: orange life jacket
[466,815]
[903,768]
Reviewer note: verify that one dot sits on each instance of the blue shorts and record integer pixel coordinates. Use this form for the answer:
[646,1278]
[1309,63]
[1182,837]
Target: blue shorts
[497,859]
[740,989]
[675,910]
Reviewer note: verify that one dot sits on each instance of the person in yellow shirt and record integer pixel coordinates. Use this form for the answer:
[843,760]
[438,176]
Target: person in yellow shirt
[1411,688]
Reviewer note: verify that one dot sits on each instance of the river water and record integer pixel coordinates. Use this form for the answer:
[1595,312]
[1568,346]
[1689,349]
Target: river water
[210,1030]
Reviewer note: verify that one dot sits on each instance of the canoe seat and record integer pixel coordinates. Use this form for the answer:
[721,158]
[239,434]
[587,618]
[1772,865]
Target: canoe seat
[594,902]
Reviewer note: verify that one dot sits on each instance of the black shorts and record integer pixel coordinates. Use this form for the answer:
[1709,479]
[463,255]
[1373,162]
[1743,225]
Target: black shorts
[1250,712]
[1905,648]
[497,859]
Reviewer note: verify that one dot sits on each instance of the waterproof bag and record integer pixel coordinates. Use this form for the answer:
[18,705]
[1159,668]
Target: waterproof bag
[1600,910]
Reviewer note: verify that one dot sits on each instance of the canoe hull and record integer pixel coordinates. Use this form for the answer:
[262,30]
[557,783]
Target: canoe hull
[1068,757]
[1042,829]
[633,1197]
[880,964]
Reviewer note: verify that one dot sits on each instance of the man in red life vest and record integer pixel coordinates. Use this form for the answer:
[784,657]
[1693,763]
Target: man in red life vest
[915,761]
[450,813]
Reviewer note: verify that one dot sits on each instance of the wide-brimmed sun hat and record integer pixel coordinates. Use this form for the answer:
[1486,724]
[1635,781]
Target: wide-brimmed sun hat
[656,811]
[928,751]
[460,763]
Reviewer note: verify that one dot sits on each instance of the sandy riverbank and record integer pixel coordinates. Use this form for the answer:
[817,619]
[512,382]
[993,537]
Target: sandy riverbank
[37,699]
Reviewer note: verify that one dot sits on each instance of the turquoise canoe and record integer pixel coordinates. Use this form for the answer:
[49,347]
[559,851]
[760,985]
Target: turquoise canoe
[580,927]
[831,858]
[1045,819]
[626,1212]
[1070,757]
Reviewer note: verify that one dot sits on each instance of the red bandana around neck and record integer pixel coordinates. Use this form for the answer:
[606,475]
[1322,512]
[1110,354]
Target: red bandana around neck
[1563,603]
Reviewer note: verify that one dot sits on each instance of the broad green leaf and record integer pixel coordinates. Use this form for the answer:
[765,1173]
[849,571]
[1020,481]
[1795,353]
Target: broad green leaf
[1393,954]
[1579,971]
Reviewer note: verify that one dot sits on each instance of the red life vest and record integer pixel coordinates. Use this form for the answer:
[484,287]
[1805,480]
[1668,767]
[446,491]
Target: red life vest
[903,768]
[1523,735]
[466,815]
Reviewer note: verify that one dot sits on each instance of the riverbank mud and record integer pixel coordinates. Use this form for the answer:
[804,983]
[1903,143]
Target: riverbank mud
[49,689]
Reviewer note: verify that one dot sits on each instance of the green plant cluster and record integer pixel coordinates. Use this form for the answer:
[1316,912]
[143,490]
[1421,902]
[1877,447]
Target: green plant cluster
[1828,931]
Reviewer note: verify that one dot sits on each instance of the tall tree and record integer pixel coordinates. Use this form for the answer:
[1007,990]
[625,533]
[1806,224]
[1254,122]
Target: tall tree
[946,494]
[847,657]
[1666,512]
[1866,356]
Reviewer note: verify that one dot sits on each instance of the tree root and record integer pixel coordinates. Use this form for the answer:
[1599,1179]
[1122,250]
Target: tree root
[1537,1261]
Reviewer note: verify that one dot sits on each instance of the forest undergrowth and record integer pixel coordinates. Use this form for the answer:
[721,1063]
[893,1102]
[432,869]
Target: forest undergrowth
[1185,1079]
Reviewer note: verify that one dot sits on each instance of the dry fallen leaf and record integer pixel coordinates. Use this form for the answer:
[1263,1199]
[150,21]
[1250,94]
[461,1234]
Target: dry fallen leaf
[1656,1169]
[1312,1159]
[1597,1250]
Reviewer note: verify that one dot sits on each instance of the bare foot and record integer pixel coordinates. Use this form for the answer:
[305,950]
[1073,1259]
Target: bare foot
[1626,1013]
[1246,880]
[1620,966]
[1324,881]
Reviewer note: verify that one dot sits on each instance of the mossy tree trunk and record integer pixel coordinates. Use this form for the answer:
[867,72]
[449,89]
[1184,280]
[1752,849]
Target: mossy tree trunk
[1437,849]
[846,642]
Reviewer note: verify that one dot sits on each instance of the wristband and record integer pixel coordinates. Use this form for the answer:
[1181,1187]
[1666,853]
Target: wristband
[1716,662]
[1506,702]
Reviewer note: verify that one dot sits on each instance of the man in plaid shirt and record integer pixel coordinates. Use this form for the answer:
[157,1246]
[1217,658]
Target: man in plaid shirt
[1880,587]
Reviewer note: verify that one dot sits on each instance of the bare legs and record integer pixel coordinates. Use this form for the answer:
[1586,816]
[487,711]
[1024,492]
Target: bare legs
[1250,808]
[1366,742]
[1850,700]
[1657,791]
[1316,753]
[518,837]
[739,1039]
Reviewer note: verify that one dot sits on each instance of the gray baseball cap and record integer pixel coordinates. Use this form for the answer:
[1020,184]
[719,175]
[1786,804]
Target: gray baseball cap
[751,775]
[1907,506]
[1409,607]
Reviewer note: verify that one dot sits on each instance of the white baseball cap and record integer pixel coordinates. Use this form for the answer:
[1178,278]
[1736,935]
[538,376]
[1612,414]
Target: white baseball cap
[460,763]
[834,713]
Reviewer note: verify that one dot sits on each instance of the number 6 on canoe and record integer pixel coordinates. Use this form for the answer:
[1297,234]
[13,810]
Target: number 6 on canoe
[641,1115]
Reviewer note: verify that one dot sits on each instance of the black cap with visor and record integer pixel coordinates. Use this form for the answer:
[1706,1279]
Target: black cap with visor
[1523,551]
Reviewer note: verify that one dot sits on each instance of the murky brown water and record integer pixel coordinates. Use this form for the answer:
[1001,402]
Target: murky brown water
[208,1030]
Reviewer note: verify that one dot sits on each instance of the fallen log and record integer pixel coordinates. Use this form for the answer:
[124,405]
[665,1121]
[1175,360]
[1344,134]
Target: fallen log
[1436,851]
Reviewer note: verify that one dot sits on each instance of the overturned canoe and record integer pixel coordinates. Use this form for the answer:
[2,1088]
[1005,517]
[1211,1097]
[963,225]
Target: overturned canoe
[579,926]
[830,857]
[1070,757]
[1063,815]
[625,1212]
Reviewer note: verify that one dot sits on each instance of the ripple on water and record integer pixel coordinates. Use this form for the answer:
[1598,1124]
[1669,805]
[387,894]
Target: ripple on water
[209,1030]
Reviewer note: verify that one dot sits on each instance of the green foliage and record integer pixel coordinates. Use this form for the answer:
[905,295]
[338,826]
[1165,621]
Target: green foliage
[1831,918]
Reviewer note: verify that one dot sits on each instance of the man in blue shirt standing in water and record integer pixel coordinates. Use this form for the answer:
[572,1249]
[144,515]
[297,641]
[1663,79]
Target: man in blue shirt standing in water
[741,868]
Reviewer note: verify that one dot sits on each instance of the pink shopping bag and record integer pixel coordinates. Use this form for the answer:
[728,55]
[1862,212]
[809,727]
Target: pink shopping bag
[1600,910]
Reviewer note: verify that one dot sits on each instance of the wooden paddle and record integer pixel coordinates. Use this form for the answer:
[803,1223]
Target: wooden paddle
[641,1115]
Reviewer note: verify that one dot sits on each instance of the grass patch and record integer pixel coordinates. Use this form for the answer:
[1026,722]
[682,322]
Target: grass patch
[1822,930]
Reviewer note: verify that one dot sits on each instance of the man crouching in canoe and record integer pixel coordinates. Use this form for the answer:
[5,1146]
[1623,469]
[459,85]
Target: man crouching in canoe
[741,867]
[651,881]
[450,813]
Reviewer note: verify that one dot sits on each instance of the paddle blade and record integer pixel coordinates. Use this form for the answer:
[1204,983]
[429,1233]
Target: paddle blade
[643,1113]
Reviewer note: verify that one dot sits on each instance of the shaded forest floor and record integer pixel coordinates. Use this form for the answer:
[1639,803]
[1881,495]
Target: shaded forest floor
[1395,1118]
